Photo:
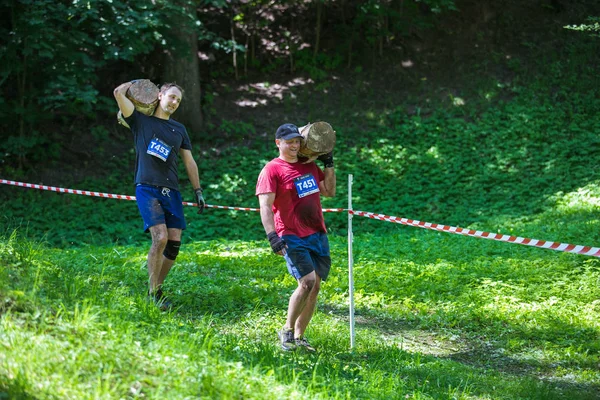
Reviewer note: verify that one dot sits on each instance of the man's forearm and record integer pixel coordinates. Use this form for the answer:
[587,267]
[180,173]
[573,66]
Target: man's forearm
[329,181]
[193,175]
[125,105]
[268,219]
[121,90]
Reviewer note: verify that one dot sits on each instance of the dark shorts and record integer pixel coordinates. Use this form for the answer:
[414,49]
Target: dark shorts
[305,255]
[160,205]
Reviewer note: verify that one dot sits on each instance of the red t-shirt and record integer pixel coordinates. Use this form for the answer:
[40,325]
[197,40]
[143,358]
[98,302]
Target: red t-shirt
[294,215]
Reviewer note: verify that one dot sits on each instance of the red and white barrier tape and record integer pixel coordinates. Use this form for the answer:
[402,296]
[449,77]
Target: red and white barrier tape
[125,197]
[570,248]
[106,195]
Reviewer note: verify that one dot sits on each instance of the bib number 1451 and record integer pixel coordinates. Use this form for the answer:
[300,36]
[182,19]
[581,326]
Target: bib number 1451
[306,185]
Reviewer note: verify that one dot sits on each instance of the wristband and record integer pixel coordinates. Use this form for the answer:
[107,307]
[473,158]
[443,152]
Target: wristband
[277,244]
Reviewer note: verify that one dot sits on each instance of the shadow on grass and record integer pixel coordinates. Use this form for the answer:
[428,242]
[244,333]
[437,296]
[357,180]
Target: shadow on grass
[479,354]
[390,372]
[13,389]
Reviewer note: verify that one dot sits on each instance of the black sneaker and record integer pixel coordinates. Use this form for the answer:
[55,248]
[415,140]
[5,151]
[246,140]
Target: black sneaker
[164,304]
[286,338]
[160,300]
[302,342]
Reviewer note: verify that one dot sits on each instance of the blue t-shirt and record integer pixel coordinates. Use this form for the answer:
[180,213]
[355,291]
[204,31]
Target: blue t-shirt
[157,144]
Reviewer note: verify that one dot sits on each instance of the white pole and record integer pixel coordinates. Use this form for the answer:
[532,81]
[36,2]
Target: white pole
[350,262]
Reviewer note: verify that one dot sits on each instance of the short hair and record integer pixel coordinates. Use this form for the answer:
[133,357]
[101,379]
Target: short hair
[167,86]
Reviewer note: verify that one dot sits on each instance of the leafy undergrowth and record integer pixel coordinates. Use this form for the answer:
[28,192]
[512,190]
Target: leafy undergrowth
[494,154]
[438,316]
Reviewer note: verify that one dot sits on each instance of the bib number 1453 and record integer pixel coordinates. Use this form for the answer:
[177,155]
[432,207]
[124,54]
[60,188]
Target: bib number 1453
[158,148]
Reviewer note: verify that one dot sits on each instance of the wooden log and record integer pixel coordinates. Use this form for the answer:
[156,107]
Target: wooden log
[319,139]
[144,96]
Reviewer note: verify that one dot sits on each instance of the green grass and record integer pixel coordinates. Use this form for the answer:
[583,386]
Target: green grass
[438,316]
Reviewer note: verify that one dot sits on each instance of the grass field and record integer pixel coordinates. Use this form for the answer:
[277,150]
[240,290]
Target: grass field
[438,316]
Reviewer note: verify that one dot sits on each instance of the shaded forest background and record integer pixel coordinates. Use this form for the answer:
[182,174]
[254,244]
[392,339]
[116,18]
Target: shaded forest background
[241,60]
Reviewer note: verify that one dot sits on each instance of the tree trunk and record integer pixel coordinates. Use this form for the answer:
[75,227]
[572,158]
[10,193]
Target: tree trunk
[349,29]
[233,49]
[246,54]
[318,29]
[21,79]
[181,67]
[21,93]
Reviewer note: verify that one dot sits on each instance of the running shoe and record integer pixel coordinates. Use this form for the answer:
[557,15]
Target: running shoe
[286,338]
[161,301]
[302,342]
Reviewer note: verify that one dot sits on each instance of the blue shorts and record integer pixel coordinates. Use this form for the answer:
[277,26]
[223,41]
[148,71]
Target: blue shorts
[305,255]
[160,205]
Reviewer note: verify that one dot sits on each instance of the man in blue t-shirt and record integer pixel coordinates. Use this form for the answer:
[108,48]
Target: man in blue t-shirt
[159,143]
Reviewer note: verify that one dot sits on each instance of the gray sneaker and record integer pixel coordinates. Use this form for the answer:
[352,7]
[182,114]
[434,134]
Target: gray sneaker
[286,338]
[302,342]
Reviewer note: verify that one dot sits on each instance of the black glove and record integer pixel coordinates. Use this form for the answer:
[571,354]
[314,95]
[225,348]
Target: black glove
[200,200]
[277,243]
[327,159]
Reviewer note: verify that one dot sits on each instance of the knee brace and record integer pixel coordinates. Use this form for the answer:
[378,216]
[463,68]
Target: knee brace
[172,249]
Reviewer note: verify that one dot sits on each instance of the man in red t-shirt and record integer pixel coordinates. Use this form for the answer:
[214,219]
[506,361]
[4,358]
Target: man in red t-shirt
[289,193]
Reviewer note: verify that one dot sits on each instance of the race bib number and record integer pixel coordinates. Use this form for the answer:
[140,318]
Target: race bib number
[305,185]
[159,149]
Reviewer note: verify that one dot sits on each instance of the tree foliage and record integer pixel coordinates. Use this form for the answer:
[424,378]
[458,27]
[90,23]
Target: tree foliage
[61,59]
[56,53]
